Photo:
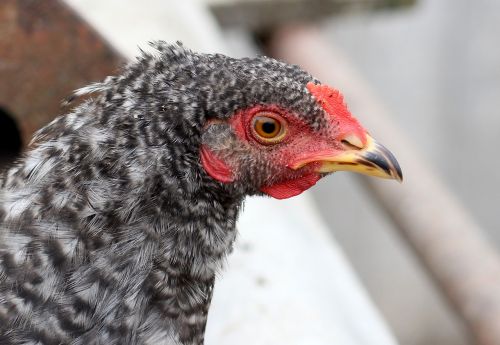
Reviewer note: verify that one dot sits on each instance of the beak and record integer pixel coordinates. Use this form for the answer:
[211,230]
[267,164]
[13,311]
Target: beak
[373,159]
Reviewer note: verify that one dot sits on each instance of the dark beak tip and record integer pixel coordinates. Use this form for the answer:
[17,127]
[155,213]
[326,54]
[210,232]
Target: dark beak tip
[400,178]
[385,160]
[399,173]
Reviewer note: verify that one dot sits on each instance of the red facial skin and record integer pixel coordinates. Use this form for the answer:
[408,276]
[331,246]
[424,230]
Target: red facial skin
[299,144]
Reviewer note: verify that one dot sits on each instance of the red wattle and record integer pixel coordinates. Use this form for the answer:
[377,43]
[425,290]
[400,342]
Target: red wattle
[287,189]
[215,167]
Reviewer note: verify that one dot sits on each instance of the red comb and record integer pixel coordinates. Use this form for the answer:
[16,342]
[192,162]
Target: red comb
[332,101]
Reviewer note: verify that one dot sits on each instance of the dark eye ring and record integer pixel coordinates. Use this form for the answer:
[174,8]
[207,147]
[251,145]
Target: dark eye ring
[268,128]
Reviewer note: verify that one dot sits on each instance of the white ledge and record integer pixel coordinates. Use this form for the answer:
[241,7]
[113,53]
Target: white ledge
[287,282]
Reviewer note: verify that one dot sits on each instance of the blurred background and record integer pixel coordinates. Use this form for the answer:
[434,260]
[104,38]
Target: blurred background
[433,65]
[436,66]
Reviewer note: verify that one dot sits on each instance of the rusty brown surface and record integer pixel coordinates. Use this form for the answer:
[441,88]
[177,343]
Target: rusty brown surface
[46,51]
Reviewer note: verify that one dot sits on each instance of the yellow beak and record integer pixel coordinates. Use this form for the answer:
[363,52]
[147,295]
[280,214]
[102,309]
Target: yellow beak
[373,159]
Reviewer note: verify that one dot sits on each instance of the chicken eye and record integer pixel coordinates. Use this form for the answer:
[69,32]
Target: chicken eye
[268,128]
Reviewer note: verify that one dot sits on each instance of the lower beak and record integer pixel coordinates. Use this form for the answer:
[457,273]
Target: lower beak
[373,159]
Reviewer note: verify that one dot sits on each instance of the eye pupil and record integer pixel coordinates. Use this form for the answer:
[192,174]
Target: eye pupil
[268,127]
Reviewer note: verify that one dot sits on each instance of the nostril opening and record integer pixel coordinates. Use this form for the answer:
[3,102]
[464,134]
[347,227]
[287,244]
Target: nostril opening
[349,146]
[353,142]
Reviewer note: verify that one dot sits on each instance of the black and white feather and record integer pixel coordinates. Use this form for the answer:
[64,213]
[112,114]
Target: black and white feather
[110,230]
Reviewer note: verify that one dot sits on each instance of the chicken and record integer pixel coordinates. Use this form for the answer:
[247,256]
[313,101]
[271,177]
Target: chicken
[116,221]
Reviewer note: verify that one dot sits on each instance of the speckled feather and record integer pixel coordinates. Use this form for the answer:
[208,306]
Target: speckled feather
[111,232]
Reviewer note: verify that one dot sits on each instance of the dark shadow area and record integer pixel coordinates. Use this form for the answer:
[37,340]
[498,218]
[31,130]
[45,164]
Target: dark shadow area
[10,139]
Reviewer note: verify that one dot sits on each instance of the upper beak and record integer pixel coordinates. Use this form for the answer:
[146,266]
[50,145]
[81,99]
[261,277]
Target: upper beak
[372,159]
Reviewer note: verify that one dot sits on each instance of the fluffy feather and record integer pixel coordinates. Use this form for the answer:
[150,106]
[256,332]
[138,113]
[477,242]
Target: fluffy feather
[111,231]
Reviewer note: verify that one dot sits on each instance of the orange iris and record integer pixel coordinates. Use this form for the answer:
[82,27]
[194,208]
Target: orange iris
[268,129]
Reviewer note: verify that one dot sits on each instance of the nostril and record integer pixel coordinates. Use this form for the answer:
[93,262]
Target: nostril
[348,145]
[352,142]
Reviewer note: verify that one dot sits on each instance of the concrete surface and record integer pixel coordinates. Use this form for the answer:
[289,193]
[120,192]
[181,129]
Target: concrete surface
[288,282]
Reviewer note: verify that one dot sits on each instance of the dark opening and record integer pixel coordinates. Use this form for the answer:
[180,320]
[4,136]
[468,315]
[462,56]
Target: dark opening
[10,138]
